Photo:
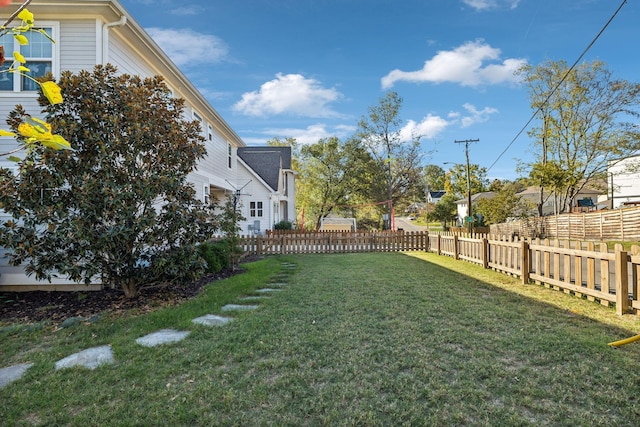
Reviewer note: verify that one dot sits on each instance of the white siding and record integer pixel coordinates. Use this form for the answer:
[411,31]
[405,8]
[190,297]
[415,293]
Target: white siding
[77,45]
[255,191]
[626,185]
[123,57]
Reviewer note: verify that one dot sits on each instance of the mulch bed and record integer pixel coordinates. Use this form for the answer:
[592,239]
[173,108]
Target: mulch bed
[38,306]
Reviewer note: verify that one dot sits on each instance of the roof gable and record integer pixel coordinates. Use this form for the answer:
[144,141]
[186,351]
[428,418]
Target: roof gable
[267,162]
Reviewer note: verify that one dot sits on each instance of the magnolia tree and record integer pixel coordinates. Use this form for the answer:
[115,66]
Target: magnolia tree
[116,206]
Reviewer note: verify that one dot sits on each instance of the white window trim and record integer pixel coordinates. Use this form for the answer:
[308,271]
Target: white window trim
[206,194]
[55,61]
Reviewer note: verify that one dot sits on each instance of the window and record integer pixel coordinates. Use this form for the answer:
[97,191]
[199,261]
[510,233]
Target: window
[255,209]
[229,156]
[210,133]
[41,56]
[206,194]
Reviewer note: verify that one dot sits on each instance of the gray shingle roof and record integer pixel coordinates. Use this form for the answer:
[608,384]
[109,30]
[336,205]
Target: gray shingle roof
[267,162]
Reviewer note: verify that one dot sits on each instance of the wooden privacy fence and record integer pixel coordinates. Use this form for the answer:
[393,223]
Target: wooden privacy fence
[579,268]
[618,224]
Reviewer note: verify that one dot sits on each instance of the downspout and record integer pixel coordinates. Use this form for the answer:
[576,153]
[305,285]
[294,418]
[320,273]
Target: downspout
[105,37]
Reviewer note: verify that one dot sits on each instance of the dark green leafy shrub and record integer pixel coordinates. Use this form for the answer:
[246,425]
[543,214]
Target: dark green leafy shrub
[283,225]
[217,255]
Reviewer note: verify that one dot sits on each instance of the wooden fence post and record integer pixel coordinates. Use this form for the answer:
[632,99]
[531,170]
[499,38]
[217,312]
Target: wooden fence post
[485,253]
[525,262]
[456,252]
[259,245]
[439,245]
[622,281]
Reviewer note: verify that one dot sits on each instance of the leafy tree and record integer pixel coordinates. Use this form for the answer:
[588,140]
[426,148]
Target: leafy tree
[433,177]
[586,122]
[456,179]
[504,205]
[398,169]
[332,173]
[117,207]
[229,219]
[445,210]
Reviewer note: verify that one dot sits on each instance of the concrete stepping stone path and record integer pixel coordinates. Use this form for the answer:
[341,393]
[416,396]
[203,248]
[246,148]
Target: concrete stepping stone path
[238,307]
[163,336]
[13,373]
[90,358]
[255,298]
[212,320]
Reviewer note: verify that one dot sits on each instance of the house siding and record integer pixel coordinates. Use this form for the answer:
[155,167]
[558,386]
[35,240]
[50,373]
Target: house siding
[254,191]
[126,59]
[77,45]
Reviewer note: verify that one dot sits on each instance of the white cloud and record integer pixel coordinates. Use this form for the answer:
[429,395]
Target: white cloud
[309,135]
[464,65]
[475,115]
[188,47]
[187,10]
[429,127]
[289,94]
[491,4]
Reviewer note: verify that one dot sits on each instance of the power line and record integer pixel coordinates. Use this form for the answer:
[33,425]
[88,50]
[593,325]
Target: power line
[535,113]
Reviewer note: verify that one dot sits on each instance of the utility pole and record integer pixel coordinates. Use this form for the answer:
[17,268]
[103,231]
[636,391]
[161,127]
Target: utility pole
[469,217]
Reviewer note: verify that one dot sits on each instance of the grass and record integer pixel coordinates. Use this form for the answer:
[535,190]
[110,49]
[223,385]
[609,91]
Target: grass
[357,339]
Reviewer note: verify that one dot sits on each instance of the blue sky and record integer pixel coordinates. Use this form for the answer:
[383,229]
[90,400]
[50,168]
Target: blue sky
[309,69]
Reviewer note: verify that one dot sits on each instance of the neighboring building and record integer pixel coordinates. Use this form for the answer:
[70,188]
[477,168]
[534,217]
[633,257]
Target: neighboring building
[624,182]
[266,184]
[586,200]
[334,223]
[92,32]
[435,196]
[462,204]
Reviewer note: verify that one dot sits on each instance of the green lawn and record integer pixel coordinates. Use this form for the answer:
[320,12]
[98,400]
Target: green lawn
[357,339]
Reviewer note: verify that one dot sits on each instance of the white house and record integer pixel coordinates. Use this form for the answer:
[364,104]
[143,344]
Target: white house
[462,204]
[92,32]
[266,186]
[624,182]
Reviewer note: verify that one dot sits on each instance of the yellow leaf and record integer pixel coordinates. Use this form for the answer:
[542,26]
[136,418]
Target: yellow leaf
[52,91]
[35,128]
[57,142]
[21,39]
[6,133]
[26,16]
[18,57]
[23,69]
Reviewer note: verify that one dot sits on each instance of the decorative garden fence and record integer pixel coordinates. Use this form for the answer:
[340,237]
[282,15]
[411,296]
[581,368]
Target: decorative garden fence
[580,268]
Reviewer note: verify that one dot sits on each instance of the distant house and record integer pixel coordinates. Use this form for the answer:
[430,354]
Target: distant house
[462,204]
[334,223]
[624,182]
[435,196]
[586,200]
[268,196]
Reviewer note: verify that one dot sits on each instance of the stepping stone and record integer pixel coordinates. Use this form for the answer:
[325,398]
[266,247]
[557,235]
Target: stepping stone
[13,373]
[163,336]
[90,358]
[238,307]
[266,290]
[212,320]
[254,298]
[280,284]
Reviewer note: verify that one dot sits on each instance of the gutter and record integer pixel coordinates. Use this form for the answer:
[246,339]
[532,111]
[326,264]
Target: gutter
[105,37]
